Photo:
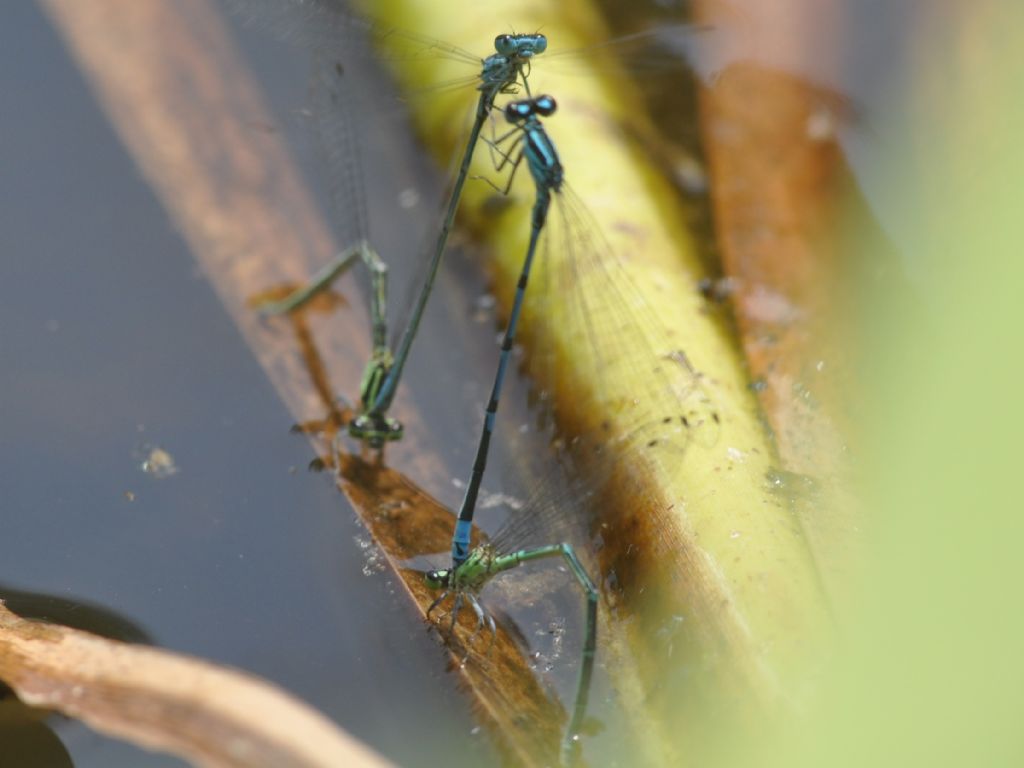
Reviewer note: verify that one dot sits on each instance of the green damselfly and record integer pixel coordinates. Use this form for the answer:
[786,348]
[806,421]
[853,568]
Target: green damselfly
[554,511]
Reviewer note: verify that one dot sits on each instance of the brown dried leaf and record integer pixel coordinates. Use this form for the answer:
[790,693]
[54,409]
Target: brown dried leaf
[206,714]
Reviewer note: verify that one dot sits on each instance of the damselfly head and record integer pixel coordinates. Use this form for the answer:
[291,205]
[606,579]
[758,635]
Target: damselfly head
[521,46]
[437,579]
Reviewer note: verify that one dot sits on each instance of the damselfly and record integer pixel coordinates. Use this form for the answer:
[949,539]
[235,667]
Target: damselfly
[668,403]
[500,72]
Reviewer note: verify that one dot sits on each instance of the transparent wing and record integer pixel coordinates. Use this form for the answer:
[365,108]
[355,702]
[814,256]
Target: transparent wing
[555,511]
[586,286]
[562,504]
[628,334]
[427,248]
[657,49]
[339,146]
[328,27]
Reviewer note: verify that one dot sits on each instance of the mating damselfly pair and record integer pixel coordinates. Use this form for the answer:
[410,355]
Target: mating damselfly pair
[578,283]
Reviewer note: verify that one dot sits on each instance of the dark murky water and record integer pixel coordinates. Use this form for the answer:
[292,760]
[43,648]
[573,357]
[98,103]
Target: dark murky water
[112,344]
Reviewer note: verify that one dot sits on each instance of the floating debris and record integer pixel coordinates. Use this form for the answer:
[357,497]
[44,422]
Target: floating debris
[159,463]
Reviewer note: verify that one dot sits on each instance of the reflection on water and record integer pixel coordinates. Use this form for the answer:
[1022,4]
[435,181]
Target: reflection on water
[78,614]
[26,733]
[26,737]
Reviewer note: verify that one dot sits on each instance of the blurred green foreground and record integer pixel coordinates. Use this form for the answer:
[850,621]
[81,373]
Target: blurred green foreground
[932,673]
